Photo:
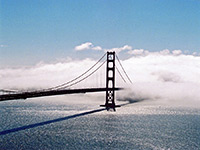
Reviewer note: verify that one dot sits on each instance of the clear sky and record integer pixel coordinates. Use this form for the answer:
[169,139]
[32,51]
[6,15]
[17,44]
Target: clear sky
[47,30]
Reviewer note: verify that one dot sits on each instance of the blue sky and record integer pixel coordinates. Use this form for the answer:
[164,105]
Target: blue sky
[47,30]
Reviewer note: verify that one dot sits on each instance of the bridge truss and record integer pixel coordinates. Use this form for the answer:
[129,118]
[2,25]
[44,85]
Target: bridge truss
[65,87]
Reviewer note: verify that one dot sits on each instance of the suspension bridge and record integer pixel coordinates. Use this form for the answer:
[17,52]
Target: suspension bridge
[65,88]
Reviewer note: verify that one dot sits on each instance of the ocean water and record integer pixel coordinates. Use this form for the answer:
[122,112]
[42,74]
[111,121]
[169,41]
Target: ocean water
[77,122]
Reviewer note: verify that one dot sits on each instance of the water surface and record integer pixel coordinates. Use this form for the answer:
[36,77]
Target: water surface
[71,122]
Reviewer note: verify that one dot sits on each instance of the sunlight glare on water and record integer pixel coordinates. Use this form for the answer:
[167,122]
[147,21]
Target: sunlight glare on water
[69,122]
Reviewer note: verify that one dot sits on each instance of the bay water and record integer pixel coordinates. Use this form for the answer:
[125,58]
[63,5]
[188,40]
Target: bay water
[77,122]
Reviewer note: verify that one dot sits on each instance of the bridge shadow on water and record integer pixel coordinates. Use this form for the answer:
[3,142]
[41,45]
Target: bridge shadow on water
[49,121]
[58,120]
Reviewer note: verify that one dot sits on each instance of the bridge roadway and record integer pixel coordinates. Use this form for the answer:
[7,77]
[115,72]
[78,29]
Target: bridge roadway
[25,95]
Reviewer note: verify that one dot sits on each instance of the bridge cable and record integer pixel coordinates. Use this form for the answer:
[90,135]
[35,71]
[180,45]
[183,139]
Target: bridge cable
[8,91]
[84,77]
[124,70]
[120,74]
[58,87]
[11,91]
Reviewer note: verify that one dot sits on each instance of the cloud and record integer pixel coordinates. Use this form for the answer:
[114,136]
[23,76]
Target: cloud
[2,45]
[169,78]
[194,53]
[46,75]
[142,52]
[119,49]
[163,76]
[165,52]
[137,52]
[166,76]
[176,52]
[87,45]
[97,48]
[131,51]
[83,46]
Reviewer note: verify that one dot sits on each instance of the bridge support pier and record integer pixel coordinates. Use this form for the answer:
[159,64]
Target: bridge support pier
[110,82]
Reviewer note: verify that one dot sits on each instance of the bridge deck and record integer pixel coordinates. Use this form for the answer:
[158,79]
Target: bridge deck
[25,95]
